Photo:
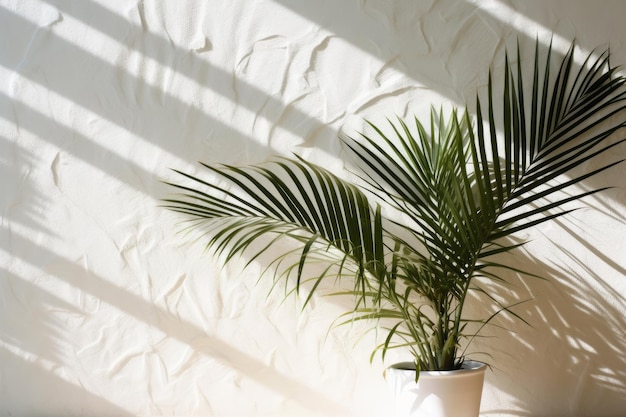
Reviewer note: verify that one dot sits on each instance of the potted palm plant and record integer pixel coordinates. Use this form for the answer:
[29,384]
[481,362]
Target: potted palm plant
[454,191]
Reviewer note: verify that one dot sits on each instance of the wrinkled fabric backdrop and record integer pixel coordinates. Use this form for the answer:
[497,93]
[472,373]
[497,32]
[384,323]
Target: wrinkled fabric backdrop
[106,310]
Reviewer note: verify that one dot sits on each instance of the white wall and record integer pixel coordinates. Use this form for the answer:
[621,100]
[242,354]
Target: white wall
[104,310]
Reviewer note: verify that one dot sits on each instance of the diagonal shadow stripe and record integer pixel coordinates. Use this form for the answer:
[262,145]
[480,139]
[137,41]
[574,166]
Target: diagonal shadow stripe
[71,141]
[179,329]
[66,85]
[25,381]
[20,297]
[153,46]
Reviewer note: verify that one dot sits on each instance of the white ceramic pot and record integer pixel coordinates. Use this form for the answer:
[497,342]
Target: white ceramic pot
[437,393]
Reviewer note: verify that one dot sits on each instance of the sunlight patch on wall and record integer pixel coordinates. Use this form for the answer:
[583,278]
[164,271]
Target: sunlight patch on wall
[530,28]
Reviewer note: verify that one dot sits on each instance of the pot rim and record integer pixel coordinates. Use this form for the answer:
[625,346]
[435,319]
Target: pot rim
[468,367]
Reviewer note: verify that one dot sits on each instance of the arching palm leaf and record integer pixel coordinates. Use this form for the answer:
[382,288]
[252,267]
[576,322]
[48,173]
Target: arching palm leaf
[462,185]
[287,198]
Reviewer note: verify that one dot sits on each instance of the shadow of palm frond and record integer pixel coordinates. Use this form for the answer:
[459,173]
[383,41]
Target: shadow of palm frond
[576,330]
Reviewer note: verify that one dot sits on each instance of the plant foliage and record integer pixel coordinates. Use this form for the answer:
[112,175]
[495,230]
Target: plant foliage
[463,186]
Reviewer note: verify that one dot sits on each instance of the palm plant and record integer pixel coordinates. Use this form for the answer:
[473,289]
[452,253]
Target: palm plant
[458,188]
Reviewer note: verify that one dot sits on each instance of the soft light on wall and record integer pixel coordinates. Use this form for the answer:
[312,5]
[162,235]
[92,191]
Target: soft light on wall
[105,312]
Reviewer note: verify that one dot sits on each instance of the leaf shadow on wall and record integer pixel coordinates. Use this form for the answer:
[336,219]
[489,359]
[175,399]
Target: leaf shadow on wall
[31,332]
[162,118]
[35,379]
[172,108]
[576,331]
[99,155]
[19,200]
[208,139]
[190,334]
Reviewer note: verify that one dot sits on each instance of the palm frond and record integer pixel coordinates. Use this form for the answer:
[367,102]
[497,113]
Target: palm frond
[462,185]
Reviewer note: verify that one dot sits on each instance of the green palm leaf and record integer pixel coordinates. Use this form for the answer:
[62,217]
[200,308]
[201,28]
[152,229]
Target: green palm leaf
[463,185]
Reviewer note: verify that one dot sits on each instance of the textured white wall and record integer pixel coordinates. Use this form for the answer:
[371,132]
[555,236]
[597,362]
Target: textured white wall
[105,311]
